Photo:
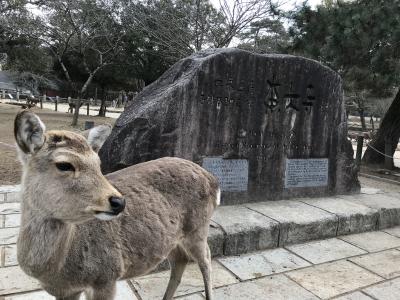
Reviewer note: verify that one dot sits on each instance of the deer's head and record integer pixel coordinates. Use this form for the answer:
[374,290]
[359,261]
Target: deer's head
[61,172]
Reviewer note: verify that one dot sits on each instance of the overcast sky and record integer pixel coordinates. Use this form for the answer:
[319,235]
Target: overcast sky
[291,3]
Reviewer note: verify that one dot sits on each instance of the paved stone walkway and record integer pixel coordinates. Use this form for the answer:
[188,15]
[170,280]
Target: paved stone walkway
[362,266]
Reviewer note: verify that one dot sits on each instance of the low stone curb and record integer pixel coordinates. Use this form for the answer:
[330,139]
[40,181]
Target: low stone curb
[258,226]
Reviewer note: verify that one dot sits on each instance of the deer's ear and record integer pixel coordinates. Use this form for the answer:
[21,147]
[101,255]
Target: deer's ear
[98,135]
[29,132]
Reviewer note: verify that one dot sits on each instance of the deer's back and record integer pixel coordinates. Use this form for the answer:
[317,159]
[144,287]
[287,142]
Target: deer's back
[166,199]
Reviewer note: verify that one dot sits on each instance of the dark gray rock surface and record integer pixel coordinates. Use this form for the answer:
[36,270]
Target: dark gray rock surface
[234,104]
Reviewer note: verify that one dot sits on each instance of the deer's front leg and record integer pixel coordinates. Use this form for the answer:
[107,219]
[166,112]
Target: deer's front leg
[71,297]
[104,292]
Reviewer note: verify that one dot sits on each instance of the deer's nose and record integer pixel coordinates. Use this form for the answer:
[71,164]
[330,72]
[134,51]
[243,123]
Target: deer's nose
[117,204]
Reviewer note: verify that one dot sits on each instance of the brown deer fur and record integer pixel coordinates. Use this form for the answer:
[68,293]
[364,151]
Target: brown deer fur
[169,202]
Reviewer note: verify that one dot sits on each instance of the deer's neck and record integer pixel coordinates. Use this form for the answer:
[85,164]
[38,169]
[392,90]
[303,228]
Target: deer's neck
[43,242]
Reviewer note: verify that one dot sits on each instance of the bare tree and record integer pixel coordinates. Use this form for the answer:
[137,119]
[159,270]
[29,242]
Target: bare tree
[166,23]
[85,30]
[358,99]
[238,15]
[184,27]
[33,82]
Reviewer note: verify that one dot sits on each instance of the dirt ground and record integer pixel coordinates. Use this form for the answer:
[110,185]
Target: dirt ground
[10,169]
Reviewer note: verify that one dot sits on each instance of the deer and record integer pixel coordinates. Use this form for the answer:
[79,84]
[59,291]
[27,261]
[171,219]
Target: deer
[72,106]
[82,231]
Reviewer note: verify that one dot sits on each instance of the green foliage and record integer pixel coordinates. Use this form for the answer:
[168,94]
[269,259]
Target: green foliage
[360,39]
[265,36]
[143,58]
[26,57]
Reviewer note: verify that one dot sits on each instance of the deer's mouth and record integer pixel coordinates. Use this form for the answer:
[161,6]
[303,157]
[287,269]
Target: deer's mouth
[105,215]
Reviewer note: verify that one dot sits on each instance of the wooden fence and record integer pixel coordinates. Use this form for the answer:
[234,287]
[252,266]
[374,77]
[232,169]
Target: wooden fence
[70,101]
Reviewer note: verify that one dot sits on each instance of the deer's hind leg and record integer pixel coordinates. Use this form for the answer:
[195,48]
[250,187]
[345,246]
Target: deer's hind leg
[177,260]
[197,248]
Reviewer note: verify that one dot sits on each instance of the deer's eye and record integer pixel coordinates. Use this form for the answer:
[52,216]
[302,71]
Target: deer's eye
[64,167]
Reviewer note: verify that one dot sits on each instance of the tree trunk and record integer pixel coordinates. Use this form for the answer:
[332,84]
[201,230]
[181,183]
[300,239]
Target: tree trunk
[389,130]
[78,103]
[66,73]
[95,96]
[102,110]
[76,112]
[362,119]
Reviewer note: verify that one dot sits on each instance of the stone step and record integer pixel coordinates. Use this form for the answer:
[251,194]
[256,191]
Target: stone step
[258,226]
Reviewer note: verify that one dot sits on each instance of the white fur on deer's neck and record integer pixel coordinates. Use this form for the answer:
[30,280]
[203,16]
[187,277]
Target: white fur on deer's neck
[43,242]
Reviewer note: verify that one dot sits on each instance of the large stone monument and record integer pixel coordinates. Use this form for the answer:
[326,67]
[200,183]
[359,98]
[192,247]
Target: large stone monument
[268,126]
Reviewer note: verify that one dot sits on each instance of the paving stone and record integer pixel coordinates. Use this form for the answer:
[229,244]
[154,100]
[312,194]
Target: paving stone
[192,297]
[276,287]
[8,235]
[389,290]
[393,231]
[263,263]
[10,208]
[13,197]
[355,296]
[299,222]
[10,255]
[332,279]
[13,220]
[372,241]
[245,229]
[124,292]
[370,190]
[2,221]
[353,217]
[385,264]
[216,240]
[14,280]
[2,197]
[39,295]
[153,286]
[326,250]
[387,204]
